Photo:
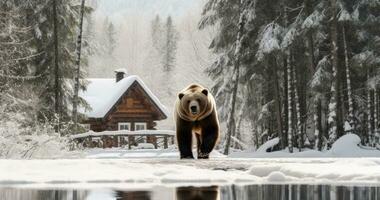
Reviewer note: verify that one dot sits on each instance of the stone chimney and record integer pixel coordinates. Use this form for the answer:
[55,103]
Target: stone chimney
[120,74]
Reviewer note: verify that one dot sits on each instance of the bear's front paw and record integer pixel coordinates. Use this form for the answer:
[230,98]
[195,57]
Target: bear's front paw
[187,157]
[203,155]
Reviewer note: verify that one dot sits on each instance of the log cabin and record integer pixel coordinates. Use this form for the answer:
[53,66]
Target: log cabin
[123,103]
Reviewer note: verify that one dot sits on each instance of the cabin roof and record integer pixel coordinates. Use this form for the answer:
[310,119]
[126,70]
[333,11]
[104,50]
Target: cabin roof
[102,94]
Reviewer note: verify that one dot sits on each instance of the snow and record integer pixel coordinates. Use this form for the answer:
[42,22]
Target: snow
[145,146]
[347,127]
[289,37]
[313,20]
[19,142]
[267,145]
[344,15]
[346,146]
[345,164]
[170,152]
[148,173]
[269,40]
[102,94]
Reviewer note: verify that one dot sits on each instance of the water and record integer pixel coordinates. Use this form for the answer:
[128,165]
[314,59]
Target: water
[250,192]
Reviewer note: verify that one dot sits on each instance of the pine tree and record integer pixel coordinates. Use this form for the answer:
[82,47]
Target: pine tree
[57,87]
[56,75]
[16,70]
[77,71]
[169,46]
[156,33]
[110,38]
[44,63]
[321,79]
[231,127]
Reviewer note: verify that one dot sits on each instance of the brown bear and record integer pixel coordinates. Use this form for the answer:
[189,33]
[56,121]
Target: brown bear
[195,112]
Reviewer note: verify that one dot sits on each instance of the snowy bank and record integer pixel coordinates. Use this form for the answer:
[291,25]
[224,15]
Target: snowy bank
[147,173]
[346,146]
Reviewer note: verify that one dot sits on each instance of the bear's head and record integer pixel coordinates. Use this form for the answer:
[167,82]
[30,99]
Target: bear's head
[194,102]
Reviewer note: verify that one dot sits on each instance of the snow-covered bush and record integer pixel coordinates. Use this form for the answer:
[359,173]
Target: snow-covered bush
[32,141]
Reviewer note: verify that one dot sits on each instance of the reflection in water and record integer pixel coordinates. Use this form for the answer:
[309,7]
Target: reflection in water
[250,192]
[310,192]
[140,195]
[197,193]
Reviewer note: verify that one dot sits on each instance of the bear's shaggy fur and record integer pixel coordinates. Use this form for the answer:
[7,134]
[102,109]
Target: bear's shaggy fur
[195,112]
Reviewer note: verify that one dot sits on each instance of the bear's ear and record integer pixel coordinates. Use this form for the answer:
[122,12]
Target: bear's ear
[205,91]
[180,95]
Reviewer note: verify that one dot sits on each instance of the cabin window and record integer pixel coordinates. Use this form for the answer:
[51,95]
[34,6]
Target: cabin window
[124,126]
[140,126]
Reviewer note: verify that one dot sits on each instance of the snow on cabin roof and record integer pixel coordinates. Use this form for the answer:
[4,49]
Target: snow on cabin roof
[102,94]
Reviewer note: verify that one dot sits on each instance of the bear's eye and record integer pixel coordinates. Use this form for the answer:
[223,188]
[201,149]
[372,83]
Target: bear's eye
[188,101]
[199,100]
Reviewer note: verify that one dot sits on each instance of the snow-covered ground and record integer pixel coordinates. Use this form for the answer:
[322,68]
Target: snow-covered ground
[139,153]
[147,173]
[147,168]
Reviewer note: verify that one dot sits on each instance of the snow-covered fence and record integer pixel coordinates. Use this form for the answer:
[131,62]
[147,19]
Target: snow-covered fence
[120,138]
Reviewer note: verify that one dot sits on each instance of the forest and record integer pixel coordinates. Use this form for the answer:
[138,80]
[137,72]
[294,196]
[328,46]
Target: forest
[305,71]
[301,70]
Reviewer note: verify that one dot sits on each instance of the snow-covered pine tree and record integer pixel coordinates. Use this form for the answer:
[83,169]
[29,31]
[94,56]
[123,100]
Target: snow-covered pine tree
[169,45]
[221,70]
[322,82]
[53,82]
[366,58]
[77,70]
[17,100]
[157,33]
[110,38]
[90,42]
[231,123]
[168,52]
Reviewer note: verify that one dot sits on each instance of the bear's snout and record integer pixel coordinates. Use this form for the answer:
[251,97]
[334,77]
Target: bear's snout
[194,107]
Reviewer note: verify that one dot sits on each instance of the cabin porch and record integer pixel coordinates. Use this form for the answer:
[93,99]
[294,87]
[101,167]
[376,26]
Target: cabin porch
[125,139]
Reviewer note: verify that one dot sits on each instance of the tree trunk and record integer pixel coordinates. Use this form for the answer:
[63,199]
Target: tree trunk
[335,120]
[231,126]
[77,73]
[369,114]
[298,112]
[348,81]
[313,69]
[277,97]
[290,101]
[237,135]
[375,119]
[318,124]
[57,89]
[285,119]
